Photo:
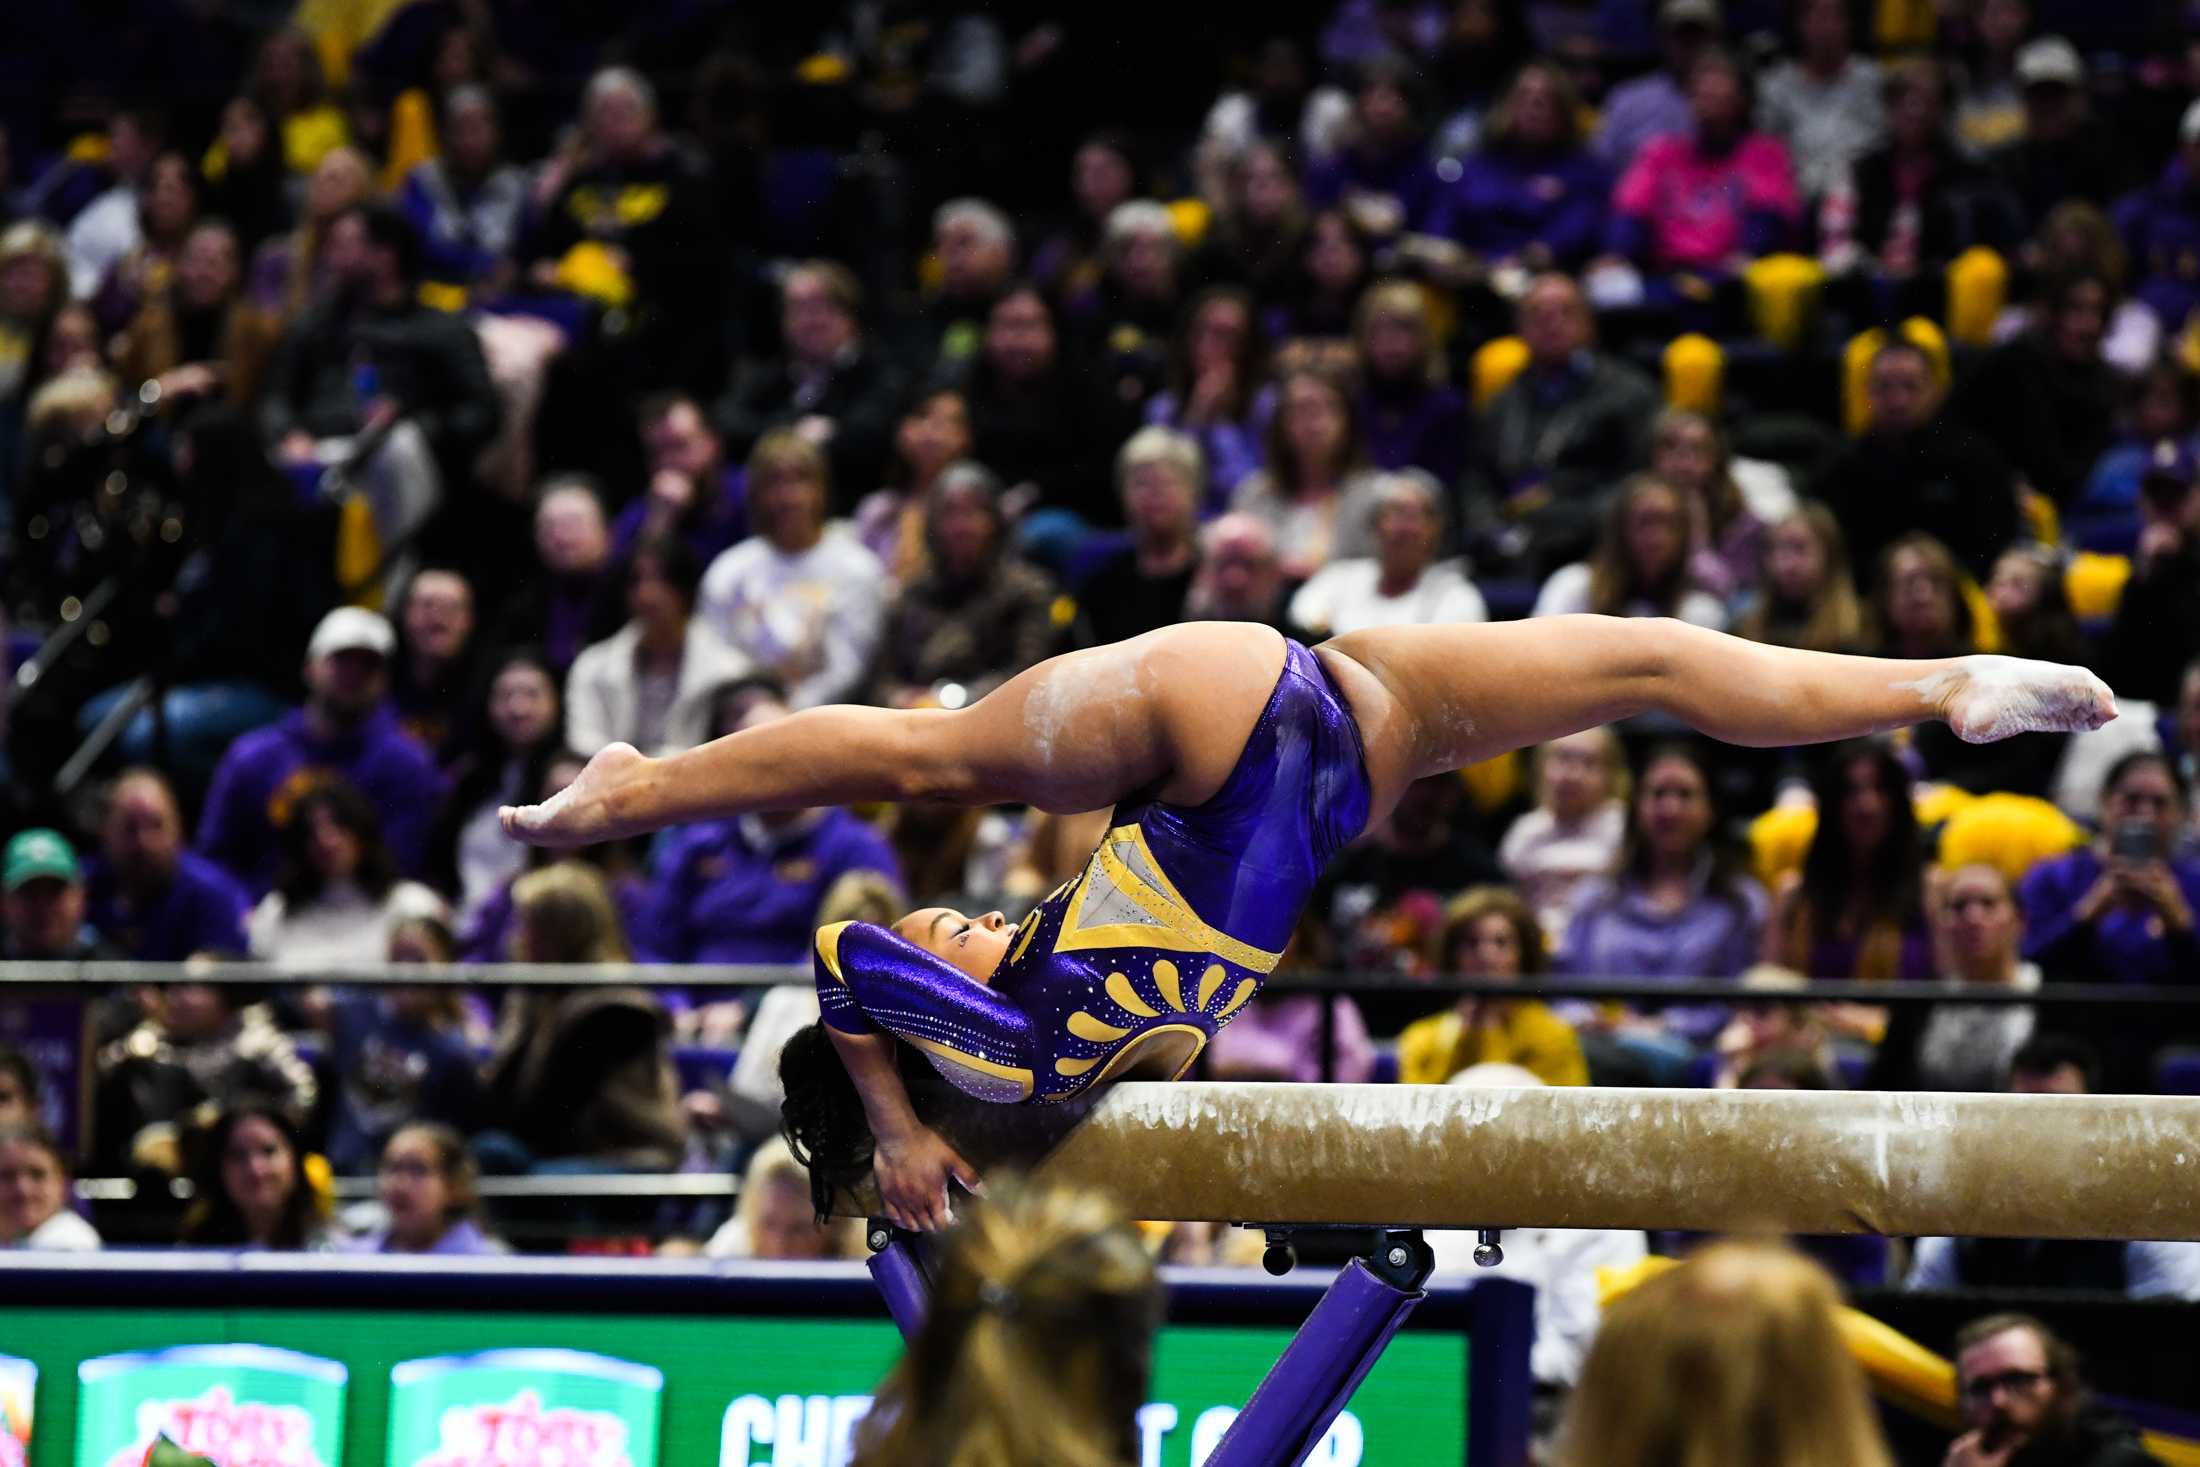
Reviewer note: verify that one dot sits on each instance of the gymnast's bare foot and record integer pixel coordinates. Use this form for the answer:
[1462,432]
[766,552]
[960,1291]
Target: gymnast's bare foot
[1989,698]
[581,813]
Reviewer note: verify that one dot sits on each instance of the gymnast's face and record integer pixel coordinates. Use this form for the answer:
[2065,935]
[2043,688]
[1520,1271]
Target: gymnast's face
[976,945]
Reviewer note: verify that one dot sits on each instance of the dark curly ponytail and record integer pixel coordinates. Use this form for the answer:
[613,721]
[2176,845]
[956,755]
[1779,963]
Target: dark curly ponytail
[822,1116]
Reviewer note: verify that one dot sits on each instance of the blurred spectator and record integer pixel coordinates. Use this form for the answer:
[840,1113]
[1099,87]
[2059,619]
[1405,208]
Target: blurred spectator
[1411,419]
[428,1185]
[399,1054]
[1530,196]
[290,269]
[2183,740]
[1977,933]
[1143,585]
[337,895]
[191,333]
[693,491]
[828,385]
[1381,174]
[1826,103]
[153,899]
[582,1077]
[42,898]
[889,521]
[1279,1035]
[2156,437]
[976,247]
[1914,469]
[2121,909]
[1035,1273]
[2160,225]
[801,596]
[2055,1064]
[1641,566]
[627,215]
[1912,205]
[1309,314]
[1034,416]
[2024,1404]
[978,615]
[166,209]
[2157,627]
[1857,908]
[108,228]
[244,173]
[1554,442]
[34,285]
[1315,491]
[292,89]
[199,1045]
[774,1218]
[1918,601]
[1120,328]
[1575,831]
[1260,226]
[432,669]
[1756,1330]
[1679,906]
[466,203]
[2076,238]
[1240,575]
[370,378]
[1103,174]
[2047,399]
[1383,895]
[1649,107]
[2032,606]
[2064,152]
[1490,933]
[571,599]
[746,890]
[1213,392]
[1726,535]
[252,1189]
[1990,106]
[345,730]
[34,1195]
[516,731]
[650,683]
[1402,583]
[1711,198]
[22,1096]
[487,937]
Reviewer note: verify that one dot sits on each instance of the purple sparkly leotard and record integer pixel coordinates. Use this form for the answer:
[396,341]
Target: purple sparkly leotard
[1179,915]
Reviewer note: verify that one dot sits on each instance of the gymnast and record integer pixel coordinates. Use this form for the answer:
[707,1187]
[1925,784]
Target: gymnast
[1237,763]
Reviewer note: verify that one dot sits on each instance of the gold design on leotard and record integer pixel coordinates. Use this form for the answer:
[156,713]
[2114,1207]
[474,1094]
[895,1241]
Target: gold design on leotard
[1075,1067]
[1124,899]
[1170,982]
[1126,997]
[1187,1039]
[1015,1074]
[1209,981]
[1085,1026]
[1245,990]
[828,947]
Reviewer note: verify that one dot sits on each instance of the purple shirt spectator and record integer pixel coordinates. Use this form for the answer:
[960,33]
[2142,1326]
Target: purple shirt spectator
[1638,111]
[489,939]
[2125,944]
[721,524]
[747,891]
[201,910]
[1616,932]
[1505,200]
[1280,1038]
[1416,425]
[265,772]
[1233,450]
[2161,227]
[462,1239]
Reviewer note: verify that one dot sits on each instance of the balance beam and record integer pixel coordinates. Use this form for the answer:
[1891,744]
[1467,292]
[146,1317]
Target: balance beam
[2035,1166]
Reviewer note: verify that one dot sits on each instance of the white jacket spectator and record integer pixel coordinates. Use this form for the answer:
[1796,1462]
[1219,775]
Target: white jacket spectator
[612,695]
[1400,584]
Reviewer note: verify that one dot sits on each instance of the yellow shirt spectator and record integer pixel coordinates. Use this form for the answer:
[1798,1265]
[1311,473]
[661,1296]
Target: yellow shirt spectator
[1518,1031]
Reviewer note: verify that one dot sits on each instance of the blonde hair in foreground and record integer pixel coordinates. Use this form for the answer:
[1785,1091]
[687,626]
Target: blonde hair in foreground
[1733,1357]
[1038,1345]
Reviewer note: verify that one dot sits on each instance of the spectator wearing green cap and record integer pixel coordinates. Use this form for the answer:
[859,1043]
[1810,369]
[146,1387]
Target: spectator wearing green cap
[42,899]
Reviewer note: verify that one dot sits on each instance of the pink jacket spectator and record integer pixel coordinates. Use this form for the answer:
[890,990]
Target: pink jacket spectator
[1678,208]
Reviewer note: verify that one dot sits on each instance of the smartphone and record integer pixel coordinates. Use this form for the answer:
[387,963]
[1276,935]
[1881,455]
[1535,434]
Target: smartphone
[2137,841]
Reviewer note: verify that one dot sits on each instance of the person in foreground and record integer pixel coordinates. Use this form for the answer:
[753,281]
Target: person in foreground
[1734,1356]
[1237,762]
[1038,1346]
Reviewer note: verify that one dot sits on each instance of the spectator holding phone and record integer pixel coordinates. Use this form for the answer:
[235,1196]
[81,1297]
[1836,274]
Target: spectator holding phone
[2123,906]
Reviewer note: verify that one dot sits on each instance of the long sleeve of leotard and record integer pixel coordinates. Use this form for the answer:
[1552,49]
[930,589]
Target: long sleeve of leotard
[870,979]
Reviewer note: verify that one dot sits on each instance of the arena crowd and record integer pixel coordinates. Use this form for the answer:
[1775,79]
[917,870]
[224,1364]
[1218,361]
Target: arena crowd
[400,402]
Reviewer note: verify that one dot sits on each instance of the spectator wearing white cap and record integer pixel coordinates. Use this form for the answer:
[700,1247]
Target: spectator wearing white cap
[2160,225]
[346,729]
[2066,152]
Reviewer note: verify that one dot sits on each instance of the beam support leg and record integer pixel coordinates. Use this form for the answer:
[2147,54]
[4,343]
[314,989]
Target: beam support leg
[898,1270]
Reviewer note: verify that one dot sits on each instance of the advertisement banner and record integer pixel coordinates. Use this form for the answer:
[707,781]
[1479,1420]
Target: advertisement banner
[239,1405]
[524,1408]
[18,1391]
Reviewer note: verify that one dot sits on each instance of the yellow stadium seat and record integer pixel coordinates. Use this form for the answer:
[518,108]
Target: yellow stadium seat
[2095,584]
[1496,363]
[1695,374]
[1783,296]
[1978,289]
